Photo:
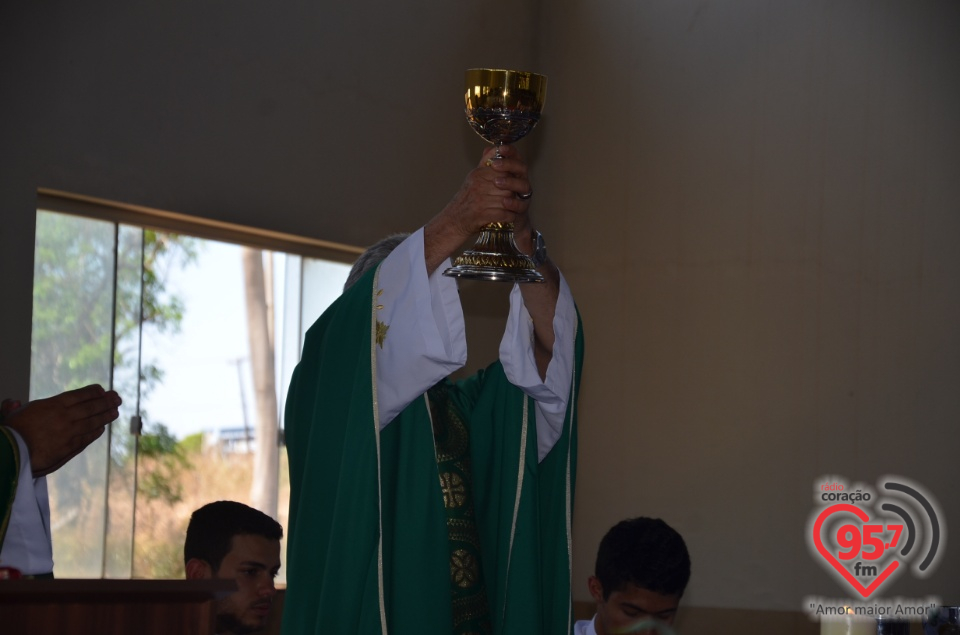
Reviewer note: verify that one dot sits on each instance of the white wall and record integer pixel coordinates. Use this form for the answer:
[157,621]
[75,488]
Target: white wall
[754,202]
[761,205]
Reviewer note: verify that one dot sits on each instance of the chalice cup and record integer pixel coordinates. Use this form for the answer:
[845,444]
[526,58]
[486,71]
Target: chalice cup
[502,107]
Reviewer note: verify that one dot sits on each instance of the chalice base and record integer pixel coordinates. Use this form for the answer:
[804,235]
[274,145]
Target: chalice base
[495,257]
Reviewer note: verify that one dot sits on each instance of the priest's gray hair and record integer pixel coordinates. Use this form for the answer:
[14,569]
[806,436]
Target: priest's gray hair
[373,255]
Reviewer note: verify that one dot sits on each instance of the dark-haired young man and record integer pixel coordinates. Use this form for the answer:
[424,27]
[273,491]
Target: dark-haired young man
[229,540]
[642,570]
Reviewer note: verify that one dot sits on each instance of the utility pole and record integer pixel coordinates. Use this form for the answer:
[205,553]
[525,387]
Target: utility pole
[243,403]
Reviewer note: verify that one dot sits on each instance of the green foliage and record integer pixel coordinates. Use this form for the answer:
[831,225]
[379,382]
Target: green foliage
[71,305]
[73,299]
[93,280]
[89,278]
[163,459]
[193,443]
[160,443]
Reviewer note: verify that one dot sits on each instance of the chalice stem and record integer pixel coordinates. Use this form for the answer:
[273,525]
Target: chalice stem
[502,106]
[503,232]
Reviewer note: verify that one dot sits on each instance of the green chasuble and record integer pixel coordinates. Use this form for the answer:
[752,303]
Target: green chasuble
[9,475]
[369,550]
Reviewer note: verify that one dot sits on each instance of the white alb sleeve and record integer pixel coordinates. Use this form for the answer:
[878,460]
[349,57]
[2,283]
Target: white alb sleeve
[425,339]
[516,354]
[27,545]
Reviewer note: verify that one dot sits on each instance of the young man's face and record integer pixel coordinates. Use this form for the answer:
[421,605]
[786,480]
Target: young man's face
[626,608]
[253,561]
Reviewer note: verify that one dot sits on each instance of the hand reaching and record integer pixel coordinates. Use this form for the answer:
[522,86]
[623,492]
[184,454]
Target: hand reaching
[58,428]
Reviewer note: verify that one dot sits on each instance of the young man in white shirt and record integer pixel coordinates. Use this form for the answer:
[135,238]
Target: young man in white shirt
[641,573]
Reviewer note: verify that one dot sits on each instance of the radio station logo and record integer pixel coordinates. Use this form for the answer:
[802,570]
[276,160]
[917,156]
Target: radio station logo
[867,537]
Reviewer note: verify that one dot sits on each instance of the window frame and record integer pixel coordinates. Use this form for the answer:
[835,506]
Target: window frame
[151,218]
[120,214]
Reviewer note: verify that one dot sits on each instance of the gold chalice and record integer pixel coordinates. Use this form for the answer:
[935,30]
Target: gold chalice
[502,107]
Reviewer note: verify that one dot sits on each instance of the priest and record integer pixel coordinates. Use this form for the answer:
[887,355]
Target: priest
[35,440]
[419,504]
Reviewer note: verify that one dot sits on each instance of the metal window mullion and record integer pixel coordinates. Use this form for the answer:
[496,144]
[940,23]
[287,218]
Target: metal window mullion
[113,353]
[137,419]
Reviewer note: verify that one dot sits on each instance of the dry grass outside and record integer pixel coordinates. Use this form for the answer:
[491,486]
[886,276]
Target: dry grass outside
[210,476]
[161,514]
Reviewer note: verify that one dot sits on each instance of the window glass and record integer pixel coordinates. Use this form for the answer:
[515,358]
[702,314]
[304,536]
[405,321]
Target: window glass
[166,319]
[71,346]
[122,464]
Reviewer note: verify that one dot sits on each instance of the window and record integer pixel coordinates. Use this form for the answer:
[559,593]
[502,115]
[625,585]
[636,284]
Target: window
[161,307]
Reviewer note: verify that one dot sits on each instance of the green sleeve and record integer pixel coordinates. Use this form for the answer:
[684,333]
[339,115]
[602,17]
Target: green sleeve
[368,550]
[524,506]
[362,554]
[9,473]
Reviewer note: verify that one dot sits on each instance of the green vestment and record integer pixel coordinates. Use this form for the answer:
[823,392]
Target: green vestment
[368,546]
[9,475]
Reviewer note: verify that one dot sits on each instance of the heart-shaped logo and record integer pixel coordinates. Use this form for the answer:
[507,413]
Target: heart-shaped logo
[829,557]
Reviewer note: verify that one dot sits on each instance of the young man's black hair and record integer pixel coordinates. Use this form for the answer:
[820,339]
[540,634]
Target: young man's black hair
[641,573]
[646,552]
[213,526]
